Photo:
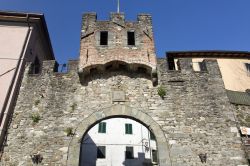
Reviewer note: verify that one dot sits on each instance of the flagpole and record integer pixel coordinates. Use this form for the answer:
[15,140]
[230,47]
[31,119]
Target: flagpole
[118,6]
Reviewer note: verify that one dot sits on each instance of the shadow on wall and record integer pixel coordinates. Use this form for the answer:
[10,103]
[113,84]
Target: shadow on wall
[106,75]
[88,152]
[140,161]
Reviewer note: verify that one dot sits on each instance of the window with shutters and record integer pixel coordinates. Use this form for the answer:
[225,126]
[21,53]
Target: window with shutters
[102,127]
[129,153]
[101,152]
[128,128]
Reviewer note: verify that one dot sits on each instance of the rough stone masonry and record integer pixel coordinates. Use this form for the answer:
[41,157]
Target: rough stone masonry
[193,121]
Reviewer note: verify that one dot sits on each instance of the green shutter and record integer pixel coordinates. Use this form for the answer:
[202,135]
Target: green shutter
[102,127]
[128,128]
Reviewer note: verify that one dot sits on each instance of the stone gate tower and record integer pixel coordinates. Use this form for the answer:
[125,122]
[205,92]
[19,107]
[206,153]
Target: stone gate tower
[108,45]
[192,120]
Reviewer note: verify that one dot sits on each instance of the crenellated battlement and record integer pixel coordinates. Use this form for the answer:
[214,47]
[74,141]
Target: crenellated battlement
[51,67]
[185,66]
[185,72]
[89,20]
[117,42]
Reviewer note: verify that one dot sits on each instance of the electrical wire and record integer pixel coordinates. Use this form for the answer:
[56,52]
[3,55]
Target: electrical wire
[7,72]
[10,69]
[10,59]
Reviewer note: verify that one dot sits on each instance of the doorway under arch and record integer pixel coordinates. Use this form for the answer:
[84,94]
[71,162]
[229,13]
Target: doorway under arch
[118,141]
[118,111]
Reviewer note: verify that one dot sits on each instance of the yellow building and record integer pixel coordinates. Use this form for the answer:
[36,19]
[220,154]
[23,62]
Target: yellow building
[234,67]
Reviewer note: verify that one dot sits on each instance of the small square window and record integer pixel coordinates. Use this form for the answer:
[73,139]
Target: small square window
[104,38]
[102,127]
[128,128]
[129,154]
[131,38]
[101,152]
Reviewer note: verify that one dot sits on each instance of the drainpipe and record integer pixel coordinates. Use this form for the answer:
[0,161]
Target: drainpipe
[149,139]
[11,96]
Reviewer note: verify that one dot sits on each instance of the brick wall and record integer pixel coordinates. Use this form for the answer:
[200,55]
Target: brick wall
[94,55]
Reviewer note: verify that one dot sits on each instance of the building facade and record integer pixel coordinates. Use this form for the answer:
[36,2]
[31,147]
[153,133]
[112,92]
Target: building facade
[234,66]
[118,141]
[23,38]
[194,118]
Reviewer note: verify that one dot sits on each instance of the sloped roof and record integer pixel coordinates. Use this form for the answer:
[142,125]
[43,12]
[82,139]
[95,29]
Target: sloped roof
[36,18]
[209,54]
[241,98]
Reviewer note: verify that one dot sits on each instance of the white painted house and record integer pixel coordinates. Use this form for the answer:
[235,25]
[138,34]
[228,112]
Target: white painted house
[118,142]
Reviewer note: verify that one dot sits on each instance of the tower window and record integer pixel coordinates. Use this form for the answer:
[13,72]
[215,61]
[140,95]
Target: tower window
[101,152]
[128,128]
[131,38]
[102,127]
[129,154]
[104,38]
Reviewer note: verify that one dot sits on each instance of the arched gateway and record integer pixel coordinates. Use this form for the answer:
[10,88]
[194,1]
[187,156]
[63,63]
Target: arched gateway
[118,111]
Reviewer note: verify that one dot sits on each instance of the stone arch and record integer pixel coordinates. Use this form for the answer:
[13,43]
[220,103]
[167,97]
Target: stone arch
[118,64]
[118,111]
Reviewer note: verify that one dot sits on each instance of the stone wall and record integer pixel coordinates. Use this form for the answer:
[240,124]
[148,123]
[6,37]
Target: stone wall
[195,115]
[242,114]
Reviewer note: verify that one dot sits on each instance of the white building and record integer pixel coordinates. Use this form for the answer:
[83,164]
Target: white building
[117,142]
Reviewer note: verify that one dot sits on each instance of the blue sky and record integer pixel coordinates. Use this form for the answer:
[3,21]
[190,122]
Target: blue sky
[178,24]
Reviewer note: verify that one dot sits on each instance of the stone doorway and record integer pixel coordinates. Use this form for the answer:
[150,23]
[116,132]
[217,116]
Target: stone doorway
[123,111]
